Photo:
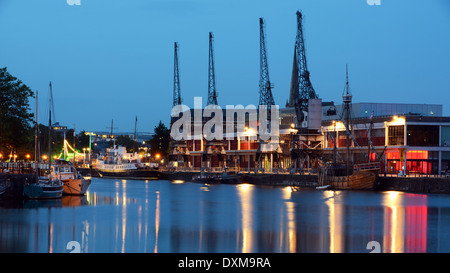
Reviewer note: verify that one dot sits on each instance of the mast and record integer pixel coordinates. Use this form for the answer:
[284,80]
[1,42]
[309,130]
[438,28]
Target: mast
[50,135]
[36,140]
[135,126]
[347,98]
[74,141]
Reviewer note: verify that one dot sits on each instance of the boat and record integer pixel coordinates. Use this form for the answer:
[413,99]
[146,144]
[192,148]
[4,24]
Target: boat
[231,178]
[44,187]
[362,177]
[345,175]
[74,183]
[3,189]
[120,164]
[211,178]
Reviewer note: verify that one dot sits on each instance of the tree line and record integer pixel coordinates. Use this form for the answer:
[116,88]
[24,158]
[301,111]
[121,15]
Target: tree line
[17,127]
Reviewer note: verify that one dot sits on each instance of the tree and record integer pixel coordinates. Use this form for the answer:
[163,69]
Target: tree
[15,115]
[159,143]
[127,142]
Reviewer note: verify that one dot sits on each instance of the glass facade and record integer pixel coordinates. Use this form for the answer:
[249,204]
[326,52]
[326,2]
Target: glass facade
[423,135]
[445,136]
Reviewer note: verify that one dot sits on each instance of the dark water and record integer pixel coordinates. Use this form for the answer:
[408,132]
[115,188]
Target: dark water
[162,216]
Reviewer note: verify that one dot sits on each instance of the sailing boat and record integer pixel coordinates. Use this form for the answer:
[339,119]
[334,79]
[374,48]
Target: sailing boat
[346,175]
[47,186]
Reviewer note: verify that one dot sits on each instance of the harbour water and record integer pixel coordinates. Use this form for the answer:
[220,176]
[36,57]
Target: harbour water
[137,216]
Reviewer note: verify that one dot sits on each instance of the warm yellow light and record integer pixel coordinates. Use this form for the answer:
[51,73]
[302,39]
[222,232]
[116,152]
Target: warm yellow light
[158,156]
[396,120]
[292,125]
[44,157]
[55,157]
[27,156]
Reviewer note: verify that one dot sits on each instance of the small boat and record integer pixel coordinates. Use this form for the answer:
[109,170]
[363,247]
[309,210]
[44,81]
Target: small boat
[208,178]
[44,188]
[231,178]
[3,189]
[74,183]
[323,187]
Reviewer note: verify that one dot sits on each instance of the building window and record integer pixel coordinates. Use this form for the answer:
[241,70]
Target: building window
[396,135]
[423,135]
[445,136]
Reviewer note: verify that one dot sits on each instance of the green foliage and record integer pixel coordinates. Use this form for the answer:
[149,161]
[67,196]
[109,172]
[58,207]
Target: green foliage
[159,143]
[127,142]
[15,115]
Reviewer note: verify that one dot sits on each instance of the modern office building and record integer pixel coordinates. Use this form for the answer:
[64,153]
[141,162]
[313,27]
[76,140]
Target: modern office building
[406,137]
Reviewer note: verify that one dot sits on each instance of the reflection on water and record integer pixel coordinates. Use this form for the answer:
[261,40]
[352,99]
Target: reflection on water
[163,216]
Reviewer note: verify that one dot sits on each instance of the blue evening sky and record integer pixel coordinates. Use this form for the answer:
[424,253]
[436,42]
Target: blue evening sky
[113,59]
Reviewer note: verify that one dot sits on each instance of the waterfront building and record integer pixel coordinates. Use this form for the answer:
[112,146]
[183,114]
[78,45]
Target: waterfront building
[411,138]
[406,138]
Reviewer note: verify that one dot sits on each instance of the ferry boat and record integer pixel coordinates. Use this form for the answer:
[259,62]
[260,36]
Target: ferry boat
[118,163]
[74,183]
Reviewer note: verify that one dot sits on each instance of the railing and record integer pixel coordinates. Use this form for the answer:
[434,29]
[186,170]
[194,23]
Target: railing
[367,166]
[302,171]
[21,167]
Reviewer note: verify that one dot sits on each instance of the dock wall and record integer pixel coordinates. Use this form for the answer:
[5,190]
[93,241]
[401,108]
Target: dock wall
[413,184]
[15,184]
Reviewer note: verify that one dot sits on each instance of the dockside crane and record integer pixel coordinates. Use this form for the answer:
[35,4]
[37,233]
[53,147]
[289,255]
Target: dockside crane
[265,86]
[179,152]
[212,93]
[213,147]
[301,86]
[306,145]
[176,78]
[265,150]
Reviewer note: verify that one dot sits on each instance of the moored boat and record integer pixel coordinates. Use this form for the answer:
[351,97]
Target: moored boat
[74,183]
[345,175]
[362,177]
[120,164]
[208,178]
[44,188]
